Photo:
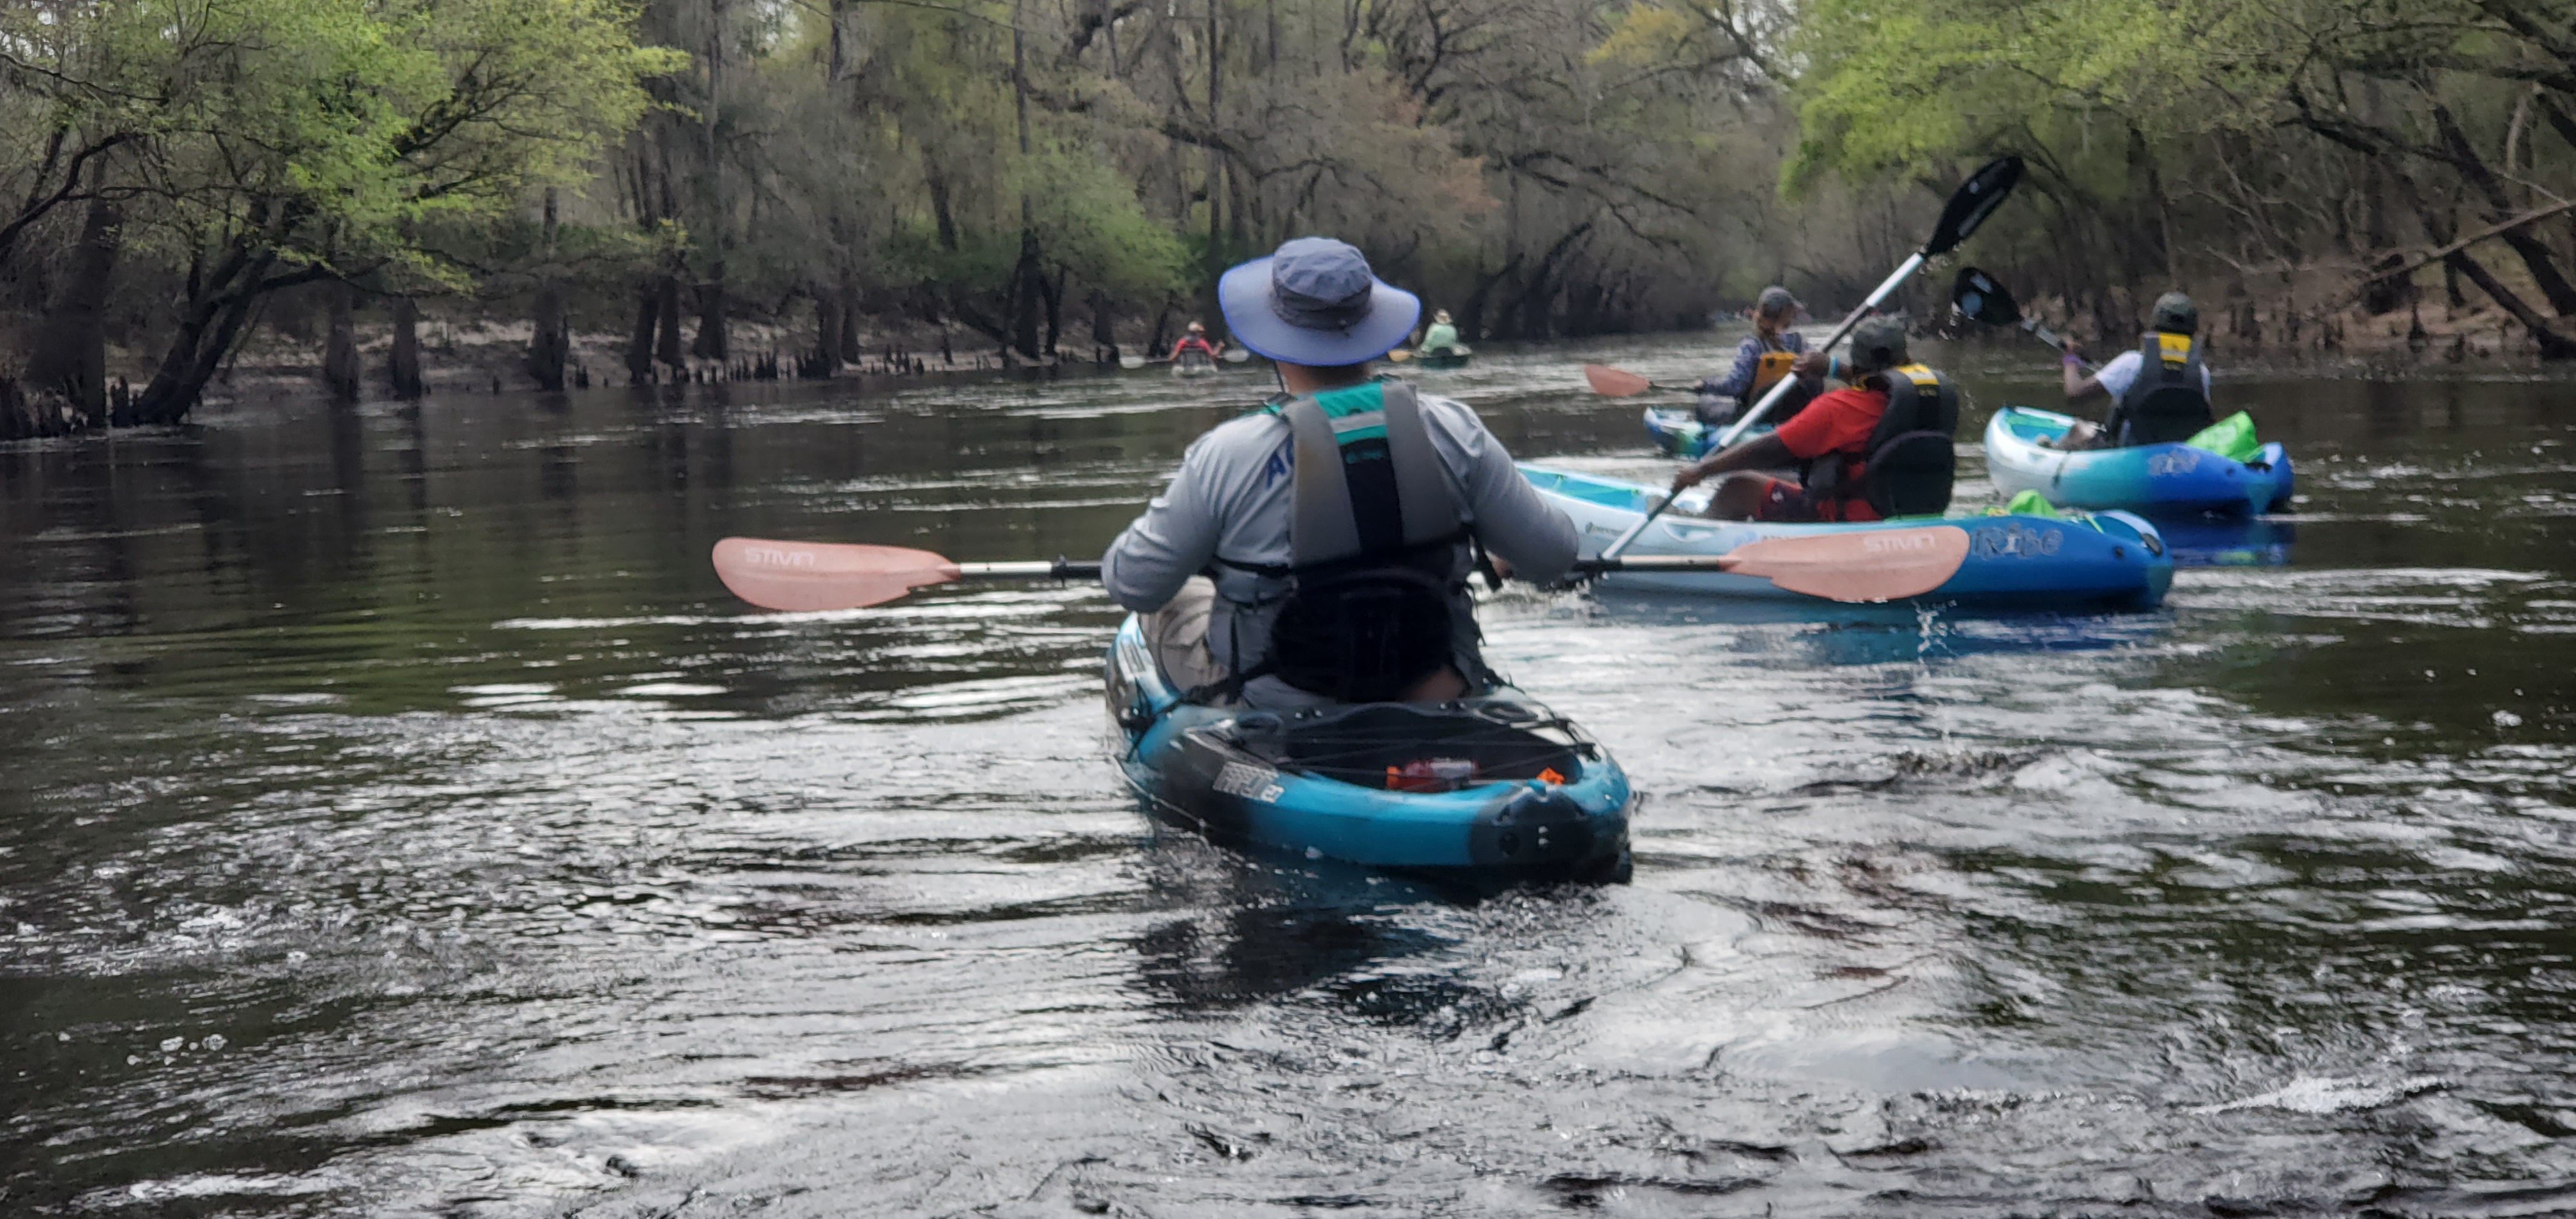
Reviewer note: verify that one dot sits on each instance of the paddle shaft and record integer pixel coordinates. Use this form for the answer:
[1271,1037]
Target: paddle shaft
[1068,569]
[2031,327]
[1032,569]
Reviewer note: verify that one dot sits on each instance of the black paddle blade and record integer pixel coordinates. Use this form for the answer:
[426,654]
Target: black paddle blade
[1979,298]
[1975,199]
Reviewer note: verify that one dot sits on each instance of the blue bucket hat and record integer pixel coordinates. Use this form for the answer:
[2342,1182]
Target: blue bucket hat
[1314,302]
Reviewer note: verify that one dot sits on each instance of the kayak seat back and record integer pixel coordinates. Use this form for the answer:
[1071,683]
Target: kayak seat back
[1912,462]
[1912,474]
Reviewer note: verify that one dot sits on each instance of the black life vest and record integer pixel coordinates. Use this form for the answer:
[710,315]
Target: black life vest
[2168,402]
[1374,540]
[1908,463]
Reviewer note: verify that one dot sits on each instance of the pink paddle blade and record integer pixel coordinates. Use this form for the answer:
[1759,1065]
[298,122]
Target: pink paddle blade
[1862,565]
[1615,382]
[824,575]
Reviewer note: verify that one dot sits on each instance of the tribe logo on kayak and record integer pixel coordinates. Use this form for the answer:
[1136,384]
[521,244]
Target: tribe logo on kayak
[2181,459]
[2016,540]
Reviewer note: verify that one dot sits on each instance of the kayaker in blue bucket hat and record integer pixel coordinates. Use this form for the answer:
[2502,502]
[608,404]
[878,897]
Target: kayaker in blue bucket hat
[1317,549]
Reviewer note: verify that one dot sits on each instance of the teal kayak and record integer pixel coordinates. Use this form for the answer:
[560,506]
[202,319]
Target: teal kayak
[1492,788]
[1678,432]
[2152,479]
[2109,560]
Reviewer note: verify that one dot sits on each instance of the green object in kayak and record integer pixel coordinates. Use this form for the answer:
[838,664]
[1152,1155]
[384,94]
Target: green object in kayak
[2032,503]
[2231,438]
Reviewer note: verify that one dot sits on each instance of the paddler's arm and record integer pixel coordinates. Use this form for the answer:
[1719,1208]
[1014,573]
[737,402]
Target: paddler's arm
[1764,452]
[2080,386]
[1534,538]
[1174,539]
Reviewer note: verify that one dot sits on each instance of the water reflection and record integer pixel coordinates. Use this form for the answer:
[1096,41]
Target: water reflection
[2223,542]
[402,821]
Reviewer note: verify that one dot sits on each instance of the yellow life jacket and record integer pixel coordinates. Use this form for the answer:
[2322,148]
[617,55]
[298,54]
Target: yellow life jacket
[1773,366]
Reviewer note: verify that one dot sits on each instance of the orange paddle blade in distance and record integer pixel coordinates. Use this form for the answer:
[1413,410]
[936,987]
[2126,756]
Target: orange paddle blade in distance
[824,575]
[1615,382]
[1862,565]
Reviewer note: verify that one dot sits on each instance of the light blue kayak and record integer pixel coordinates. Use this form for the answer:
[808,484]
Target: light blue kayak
[2107,560]
[2151,479]
[1678,432]
[1528,797]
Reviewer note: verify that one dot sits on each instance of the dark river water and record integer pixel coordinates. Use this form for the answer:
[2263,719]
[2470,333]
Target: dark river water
[399,819]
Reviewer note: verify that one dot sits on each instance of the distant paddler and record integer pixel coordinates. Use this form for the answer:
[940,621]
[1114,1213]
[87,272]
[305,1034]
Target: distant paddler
[1442,338]
[1195,347]
[1761,360]
[2159,393]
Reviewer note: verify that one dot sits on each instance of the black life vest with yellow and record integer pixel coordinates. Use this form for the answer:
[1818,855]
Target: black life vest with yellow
[1374,537]
[1909,462]
[2169,401]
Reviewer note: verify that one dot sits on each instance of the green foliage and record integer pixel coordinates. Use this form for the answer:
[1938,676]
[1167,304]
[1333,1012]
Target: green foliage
[335,131]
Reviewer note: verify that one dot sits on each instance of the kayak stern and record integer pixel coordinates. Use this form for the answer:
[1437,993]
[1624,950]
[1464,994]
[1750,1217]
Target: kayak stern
[1547,803]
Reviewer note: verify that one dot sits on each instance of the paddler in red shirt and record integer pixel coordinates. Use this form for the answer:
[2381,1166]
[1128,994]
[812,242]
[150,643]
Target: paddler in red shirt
[1195,343]
[1858,460]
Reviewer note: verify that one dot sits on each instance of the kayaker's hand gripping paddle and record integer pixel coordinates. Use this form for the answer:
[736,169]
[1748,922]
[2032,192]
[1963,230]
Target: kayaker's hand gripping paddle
[1976,199]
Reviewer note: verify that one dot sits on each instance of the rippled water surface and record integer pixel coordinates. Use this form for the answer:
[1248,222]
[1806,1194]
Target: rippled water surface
[399,819]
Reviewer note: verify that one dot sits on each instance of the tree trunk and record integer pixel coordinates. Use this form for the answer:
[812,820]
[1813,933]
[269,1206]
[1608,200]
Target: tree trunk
[550,345]
[216,311]
[1054,293]
[711,318]
[639,345]
[668,348]
[1215,159]
[402,363]
[1028,285]
[340,346]
[2555,344]
[2536,255]
[849,296]
[1104,329]
[71,351]
[827,332]
[549,342]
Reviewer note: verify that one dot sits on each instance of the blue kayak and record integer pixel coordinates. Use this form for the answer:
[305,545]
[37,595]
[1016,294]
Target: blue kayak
[2153,479]
[1678,432]
[1492,788]
[2106,560]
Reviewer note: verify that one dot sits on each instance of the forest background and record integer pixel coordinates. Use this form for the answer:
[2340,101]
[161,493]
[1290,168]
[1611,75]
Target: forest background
[680,189]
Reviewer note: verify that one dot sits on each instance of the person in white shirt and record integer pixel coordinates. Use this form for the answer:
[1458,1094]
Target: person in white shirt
[2160,402]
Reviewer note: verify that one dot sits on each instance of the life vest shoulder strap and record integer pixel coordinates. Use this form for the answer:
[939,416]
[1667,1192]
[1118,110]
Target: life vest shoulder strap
[1367,479]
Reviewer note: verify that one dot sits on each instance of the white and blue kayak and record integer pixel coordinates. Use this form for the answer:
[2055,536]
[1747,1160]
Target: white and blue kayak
[1493,788]
[2105,560]
[2151,479]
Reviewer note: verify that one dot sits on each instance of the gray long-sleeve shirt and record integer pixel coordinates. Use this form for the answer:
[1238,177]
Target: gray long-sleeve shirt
[1231,498]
